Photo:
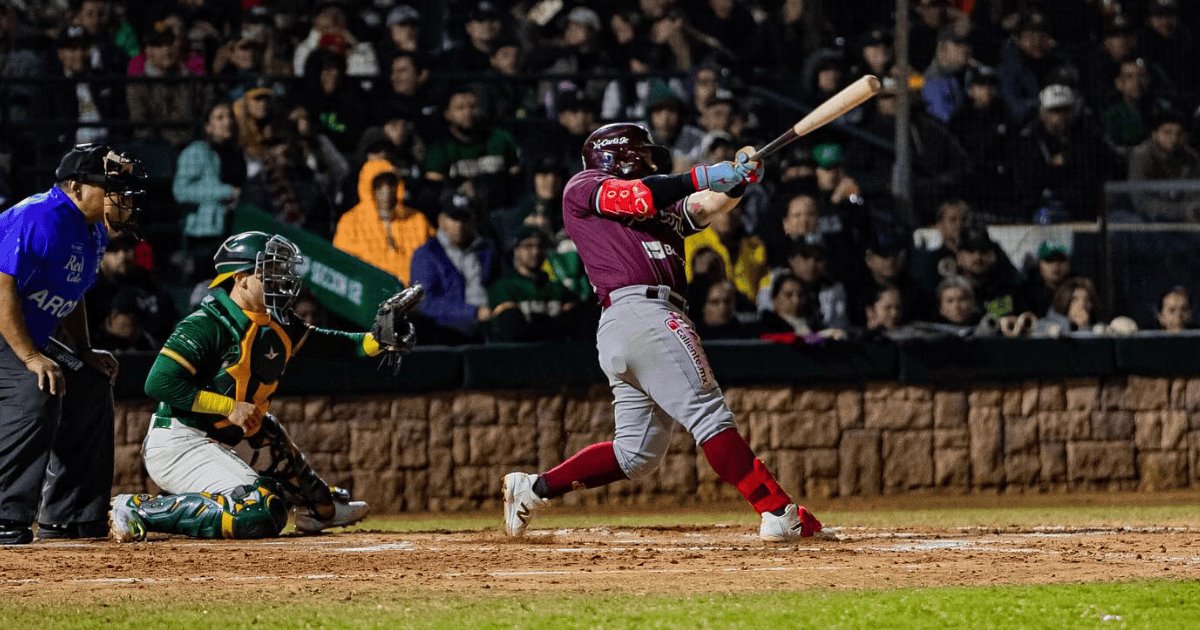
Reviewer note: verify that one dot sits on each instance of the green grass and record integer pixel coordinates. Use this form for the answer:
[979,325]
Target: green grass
[1178,515]
[1157,604]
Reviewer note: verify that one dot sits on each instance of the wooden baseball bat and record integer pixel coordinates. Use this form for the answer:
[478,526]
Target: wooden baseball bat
[850,97]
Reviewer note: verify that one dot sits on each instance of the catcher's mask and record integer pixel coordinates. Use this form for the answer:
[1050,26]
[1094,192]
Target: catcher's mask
[275,260]
[123,178]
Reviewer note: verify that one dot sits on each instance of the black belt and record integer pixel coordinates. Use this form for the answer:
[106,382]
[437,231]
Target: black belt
[653,294]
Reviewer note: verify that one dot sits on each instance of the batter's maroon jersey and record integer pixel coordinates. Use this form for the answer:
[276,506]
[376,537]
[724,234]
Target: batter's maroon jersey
[619,252]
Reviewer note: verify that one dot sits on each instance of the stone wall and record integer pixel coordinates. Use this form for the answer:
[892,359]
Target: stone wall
[448,451]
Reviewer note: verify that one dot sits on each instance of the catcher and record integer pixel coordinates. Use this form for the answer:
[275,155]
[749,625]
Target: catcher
[214,378]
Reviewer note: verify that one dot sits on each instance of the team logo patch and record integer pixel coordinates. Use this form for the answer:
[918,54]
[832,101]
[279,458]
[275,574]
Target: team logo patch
[687,337]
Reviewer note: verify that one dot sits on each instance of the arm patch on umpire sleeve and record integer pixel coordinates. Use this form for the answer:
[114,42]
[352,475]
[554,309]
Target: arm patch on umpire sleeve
[625,198]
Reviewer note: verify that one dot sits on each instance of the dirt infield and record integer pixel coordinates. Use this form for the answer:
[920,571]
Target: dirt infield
[681,560]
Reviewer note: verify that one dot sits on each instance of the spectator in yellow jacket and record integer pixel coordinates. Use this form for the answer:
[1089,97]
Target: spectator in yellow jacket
[745,256]
[380,229]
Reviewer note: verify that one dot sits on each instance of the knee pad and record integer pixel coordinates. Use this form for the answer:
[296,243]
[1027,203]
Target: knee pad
[256,511]
[639,463]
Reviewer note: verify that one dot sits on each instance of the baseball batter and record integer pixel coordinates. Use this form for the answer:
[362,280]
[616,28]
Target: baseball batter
[629,223]
[214,378]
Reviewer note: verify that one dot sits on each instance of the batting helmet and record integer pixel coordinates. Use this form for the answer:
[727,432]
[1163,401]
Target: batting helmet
[275,260]
[625,150]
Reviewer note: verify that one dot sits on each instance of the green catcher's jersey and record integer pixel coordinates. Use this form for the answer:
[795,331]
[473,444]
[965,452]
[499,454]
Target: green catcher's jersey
[220,354]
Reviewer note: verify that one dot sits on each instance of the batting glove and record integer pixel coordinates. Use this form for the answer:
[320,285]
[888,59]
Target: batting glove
[721,177]
[751,172]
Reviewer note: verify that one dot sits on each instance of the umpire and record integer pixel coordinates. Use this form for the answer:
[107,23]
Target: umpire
[56,426]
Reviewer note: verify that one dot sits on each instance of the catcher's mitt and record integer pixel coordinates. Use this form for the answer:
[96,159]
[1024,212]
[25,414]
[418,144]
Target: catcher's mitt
[392,329]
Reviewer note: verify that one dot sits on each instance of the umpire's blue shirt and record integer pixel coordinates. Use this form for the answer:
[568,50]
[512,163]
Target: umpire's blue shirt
[48,246]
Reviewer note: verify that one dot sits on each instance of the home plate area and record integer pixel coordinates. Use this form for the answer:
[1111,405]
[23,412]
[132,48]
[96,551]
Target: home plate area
[679,560]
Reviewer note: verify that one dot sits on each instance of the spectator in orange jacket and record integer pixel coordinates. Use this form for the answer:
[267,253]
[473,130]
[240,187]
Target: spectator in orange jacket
[380,229]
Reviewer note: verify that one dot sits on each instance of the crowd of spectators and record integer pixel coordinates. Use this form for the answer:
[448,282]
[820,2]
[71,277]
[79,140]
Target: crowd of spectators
[433,139]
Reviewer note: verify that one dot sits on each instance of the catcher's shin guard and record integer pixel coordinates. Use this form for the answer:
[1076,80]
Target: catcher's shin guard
[252,511]
[301,486]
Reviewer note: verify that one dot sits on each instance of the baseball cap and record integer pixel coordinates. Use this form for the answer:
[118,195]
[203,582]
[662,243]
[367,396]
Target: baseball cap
[527,231]
[72,37]
[573,100]
[457,206]
[1053,250]
[1032,21]
[100,165]
[661,95]
[975,240]
[402,14]
[805,249]
[1056,96]
[1118,26]
[1164,116]
[159,38]
[953,33]
[1163,7]
[886,243]
[982,75]
[875,37]
[827,155]
[483,12]
[584,16]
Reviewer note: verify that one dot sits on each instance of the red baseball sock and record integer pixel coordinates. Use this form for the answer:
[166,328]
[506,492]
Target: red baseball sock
[735,464]
[592,467]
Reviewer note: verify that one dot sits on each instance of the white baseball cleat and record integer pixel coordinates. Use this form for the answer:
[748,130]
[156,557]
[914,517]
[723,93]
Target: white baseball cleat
[795,523]
[345,513]
[520,502]
[124,524]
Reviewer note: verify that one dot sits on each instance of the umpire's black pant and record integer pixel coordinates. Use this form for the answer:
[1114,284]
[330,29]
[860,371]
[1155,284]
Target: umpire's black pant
[56,451]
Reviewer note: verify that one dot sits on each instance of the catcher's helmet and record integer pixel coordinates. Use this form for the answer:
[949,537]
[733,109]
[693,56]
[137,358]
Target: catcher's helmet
[275,260]
[625,150]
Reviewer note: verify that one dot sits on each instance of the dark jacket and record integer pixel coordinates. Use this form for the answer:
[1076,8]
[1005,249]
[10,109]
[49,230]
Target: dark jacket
[1075,184]
[445,286]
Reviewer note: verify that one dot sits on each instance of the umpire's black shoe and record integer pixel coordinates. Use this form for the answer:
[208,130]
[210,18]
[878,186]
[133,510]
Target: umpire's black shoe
[14,533]
[68,531]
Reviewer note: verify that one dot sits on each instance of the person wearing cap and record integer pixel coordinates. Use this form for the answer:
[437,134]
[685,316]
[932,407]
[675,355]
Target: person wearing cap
[403,25]
[1166,155]
[1126,117]
[380,229]
[944,91]
[982,128]
[931,19]
[526,304]
[1099,67]
[1060,160]
[240,59]
[807,261]
[51,245]
[666,119]
[82,100]
[330,32]
[473,150]
[1053,268]
[886,266]
[505,97]
[1167,41]
[876,55]
[157,108]
[253,111]
[482,27]
[119,272]
[1026,57]
[991,276]
[455,267]
[575,119]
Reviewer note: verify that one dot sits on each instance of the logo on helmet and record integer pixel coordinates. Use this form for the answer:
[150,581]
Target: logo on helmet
[607,142]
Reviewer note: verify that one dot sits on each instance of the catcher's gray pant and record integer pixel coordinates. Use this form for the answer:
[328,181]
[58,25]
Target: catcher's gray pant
[659,376]
[56,451]
[181,459]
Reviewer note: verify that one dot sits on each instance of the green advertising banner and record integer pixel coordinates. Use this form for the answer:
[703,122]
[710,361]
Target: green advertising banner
[341,283]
